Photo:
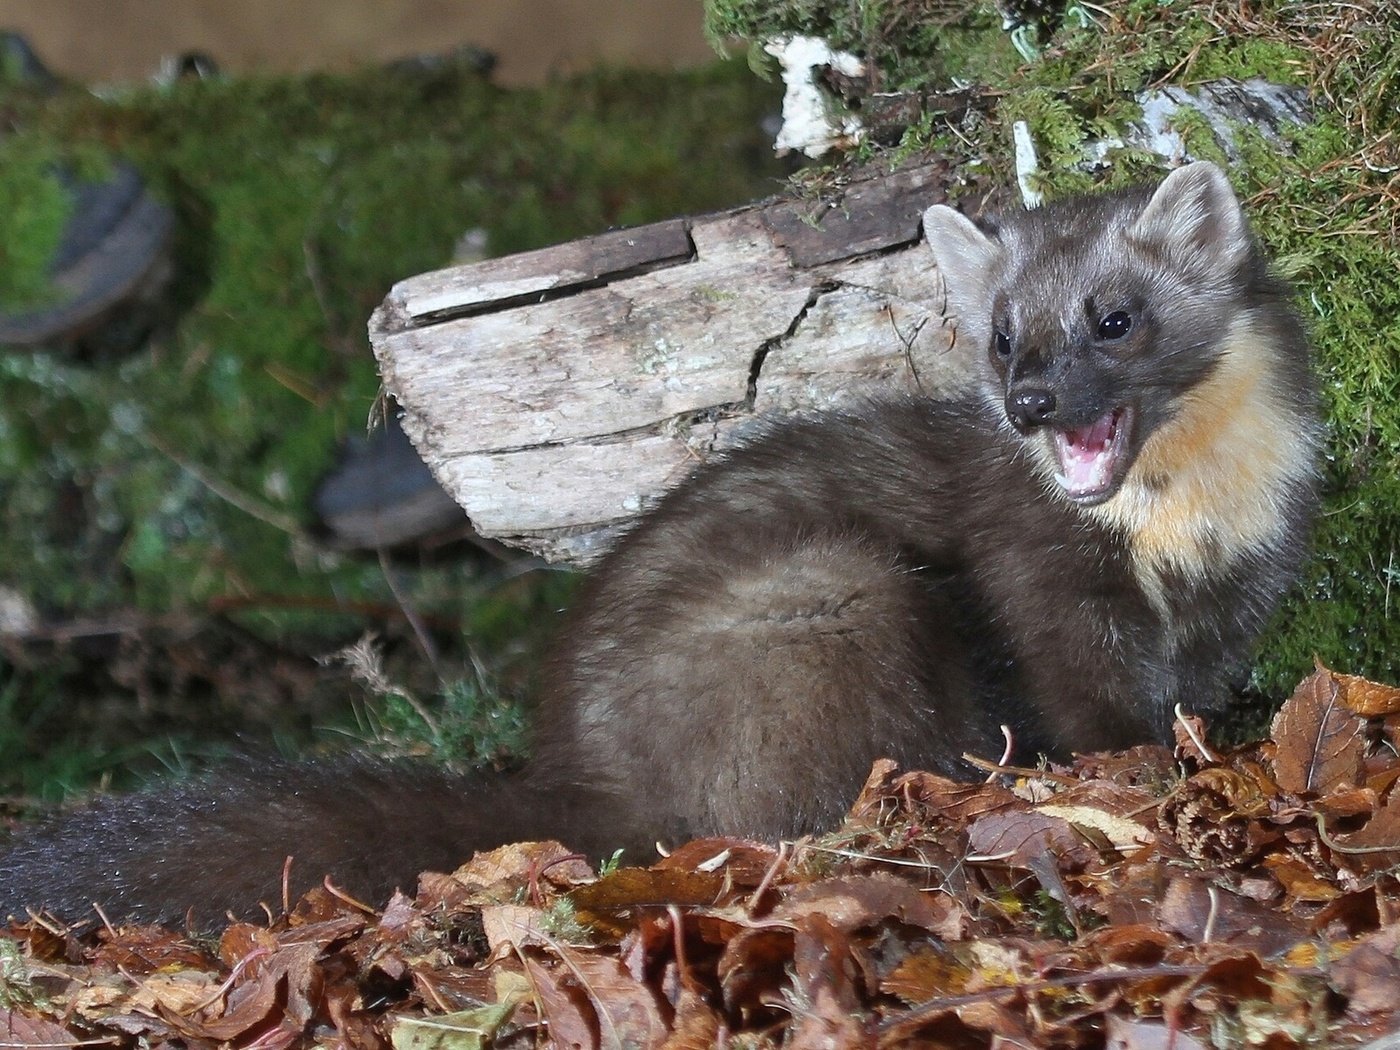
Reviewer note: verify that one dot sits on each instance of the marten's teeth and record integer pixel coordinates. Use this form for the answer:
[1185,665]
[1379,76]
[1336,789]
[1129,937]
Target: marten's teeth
[1088,455]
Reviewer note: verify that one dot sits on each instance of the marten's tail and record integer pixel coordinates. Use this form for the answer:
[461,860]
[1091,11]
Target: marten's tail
[219,844]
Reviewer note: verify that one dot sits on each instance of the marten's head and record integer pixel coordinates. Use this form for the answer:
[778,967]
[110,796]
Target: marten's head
[1099,315]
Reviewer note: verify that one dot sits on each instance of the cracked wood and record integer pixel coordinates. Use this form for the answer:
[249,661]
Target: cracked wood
[557,392]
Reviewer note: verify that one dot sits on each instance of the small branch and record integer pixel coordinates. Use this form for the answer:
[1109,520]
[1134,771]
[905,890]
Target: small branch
[415,621]
[1019,771]
[230,495]
[1201,746]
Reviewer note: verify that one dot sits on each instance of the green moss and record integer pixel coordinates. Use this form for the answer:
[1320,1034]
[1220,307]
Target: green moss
[34,208]
[906,43]
[472,725]
[1060,130]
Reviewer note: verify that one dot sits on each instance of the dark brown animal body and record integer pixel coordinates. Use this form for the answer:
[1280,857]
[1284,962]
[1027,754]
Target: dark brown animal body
[1094,539]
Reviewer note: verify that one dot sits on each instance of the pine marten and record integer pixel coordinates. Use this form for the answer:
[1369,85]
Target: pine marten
[1094,537]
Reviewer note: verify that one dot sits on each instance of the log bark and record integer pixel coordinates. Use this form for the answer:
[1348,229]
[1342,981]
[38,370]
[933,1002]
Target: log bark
[556,393]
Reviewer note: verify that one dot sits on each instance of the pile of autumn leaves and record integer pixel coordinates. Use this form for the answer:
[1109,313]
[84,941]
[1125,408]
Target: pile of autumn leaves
[1138,900]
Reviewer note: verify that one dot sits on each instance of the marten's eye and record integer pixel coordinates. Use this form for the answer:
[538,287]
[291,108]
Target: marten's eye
[1001,345]
[1115,325]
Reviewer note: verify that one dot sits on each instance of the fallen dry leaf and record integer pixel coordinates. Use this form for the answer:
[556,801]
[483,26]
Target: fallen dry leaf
[1369,974]
[859,902]
[1118,833]
[1320,741]
[1019,837]
[1366,698]
[19,1029]
[1215,817]
[825,977]
[1375,847]
[1126,1034]
[516,926]
[1299,881]
[495,876]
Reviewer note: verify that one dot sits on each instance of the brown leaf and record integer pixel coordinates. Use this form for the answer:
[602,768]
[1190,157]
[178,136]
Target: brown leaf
[563,1006]
[241,938]
[1355,802]
[1299,881]
[399,913]
[19,1029]
[859,901]
[1188,729]
[1017,838]
[286,990]
[929,973]
[879,785]
[952,801]
[181,992]
[517,926]
[1202,913]
[1382,771]
[1214,817]
[696,1026]
[318,905]
[751,969]
[496,876]
[1128,893]
[1106,830]
[591,1000]
[1126,1034]
[1134,945]
[825,975]
[1233,974]
[629,1011]
[254,1004]
[1366,698]
[1119,799]
[611,902]
[1369,974]
[325,933]
[950,917]
[1146,764]
[1320,742]
[145,949]
[1374,847]
[742,862]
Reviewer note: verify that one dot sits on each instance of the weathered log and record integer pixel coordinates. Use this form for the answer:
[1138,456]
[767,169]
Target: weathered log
[555,393]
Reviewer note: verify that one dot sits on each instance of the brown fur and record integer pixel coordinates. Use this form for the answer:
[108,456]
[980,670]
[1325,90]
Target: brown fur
[1225,467]
[893,581]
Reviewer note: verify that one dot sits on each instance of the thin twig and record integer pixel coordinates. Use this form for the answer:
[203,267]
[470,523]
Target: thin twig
[242,501]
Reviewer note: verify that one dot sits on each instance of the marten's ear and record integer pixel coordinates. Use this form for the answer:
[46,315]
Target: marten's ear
[1195,221]
[967,259]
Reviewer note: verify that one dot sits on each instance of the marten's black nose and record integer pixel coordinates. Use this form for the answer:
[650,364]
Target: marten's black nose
[1031,407]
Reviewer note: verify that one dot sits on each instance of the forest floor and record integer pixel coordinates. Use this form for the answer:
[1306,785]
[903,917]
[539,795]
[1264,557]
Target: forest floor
[1155,898]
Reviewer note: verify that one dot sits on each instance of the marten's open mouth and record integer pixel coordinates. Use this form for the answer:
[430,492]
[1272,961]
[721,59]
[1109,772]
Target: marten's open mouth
[1093,458]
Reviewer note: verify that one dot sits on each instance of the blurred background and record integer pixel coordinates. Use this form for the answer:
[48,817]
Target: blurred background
[125,40]
[212,535]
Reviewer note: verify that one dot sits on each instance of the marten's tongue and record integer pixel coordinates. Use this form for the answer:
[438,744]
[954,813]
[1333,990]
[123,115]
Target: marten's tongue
[1088,455]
